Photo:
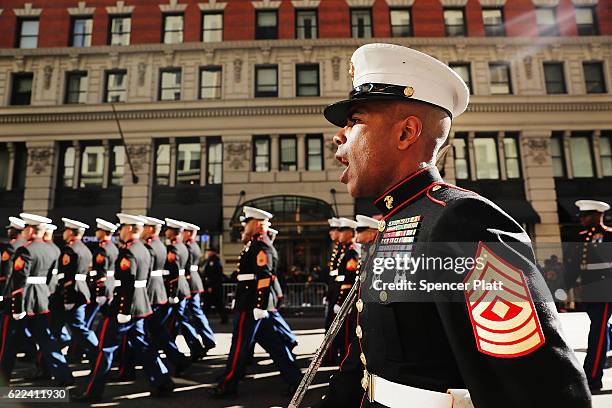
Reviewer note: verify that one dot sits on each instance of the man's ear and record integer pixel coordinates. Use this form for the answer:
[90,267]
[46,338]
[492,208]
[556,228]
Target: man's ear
[411,128]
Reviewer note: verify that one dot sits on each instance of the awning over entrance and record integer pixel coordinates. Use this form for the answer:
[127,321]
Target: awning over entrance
[521,210]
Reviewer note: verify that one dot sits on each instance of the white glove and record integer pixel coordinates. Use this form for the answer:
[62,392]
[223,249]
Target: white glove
[1,298]
[173,300]
[121,318]
[324,300]
[233,304]
[336,309]
[68,306]
[100,300]
[260,314]
[19,316]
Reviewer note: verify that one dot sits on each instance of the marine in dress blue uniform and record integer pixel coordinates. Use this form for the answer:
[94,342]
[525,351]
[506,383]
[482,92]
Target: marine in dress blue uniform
[213,283]
[432,349]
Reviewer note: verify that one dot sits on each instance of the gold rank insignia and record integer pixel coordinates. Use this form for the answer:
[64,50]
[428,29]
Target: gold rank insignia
[125,264]
[262,258]
[99,258]
[18,265]
[5,256]
[389,202]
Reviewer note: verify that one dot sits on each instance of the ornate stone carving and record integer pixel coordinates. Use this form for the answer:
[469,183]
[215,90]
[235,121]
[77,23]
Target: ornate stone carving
[81,10]
[212,5]
[138,156]
[266,4]
[537,150]
[400,3]
[142,71]
[27,11]
[173,7]
[528,61]
[237,154]
[47,75]
[40,158]
[360,3]
[585,2]
[237,70]
[453,3]
[120,8]
[492,3]
[336,68]
[305,4]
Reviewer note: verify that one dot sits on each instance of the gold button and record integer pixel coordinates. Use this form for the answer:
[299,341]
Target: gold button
[409,91]
[358,332]
[383,296]
[363,359]
[382,225]
[359,305]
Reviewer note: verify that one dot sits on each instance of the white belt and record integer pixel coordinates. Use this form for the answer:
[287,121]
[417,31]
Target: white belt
[165,272]
[93,273]
[110,273]
[395,395]
[36,280]
[157,272]
[597,266]
[80,277]
[181,272]
[54,272]
[193,268]
[140,283]
[117,282]
[334,273]
[245,276]
[60,276]
[340,278]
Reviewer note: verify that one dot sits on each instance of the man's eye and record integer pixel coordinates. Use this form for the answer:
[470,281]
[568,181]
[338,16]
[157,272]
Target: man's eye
[353,121]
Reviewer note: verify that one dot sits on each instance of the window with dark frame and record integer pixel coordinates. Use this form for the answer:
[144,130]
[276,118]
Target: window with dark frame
[27,30]
[212,27]
[501,83]
[82,27]
[214,157]
[594,77]
[314,152]
[605,152]
[66,168]
[21,91]
[307,83]
[454,22]
[117,165]
[581,153]
[170,84]
[554,78]
[463,70]
[460,150]
[401,22]
[115,86]
[173,29]
[162,162]
[266,25]
[512,156]
[361,23]
[546,20]
[210,82]
[76,87]
[586,20]
[92,166]
[261,153]
[557,156]
[17,168]
[120,29]
[266,81]
[486,156]
[493,19]
[306,24]
[287,153]
[189,156]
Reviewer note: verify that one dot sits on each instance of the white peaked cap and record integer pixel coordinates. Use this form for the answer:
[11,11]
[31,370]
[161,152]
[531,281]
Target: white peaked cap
[366,222]
[592,205]
[16,223]
[129,219]
[273,231]
[74,224]
[191,227]
[175,224]
[333,222]
[50,227]
[256,213]
[33,219]
[151,220]
[105,225]
[347,223]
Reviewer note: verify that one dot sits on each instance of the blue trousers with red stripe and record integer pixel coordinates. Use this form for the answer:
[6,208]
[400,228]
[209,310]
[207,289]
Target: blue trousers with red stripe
[599,342]
[111,335]
[180,320]
[246,330]
[199,321]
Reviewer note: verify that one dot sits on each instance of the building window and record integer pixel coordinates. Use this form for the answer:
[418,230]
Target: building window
[67,167]
[485,156]
[116,87]
[173,29]
[546,20]
[288,153]
[400,23]
[261,153]
[460,149]
[117,165]
[500,78]
[92,166]
[581,154]
[4,166]
[16,167]
[586,21]
[210,82]
[493,22]
[361,23]
[214,155]
[454,22]
[76,87]
[314,152]
[594,77]
[306,24]
[266,81]
[170,84]
[554,78]
[82,28]
[120,28]
[512,156]
[556,150]
[605,152]
[28,33]
[307,80]
[212,27]
[188,163]
[463,70]
[21,94]
[266,27]
[162,164]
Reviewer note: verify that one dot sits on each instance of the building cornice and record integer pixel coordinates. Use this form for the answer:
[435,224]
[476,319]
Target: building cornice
[119,8]
[81,10]
[27,11]
[212,5]
[172,7]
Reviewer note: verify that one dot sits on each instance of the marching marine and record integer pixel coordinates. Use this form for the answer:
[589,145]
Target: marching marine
[14,232]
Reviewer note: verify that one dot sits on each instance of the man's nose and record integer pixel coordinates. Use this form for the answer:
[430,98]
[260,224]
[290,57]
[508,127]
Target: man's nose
[340,137]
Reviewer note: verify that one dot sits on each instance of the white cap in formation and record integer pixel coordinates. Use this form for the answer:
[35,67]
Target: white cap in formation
[191,227]
[273,232]
[50,227]
[256,213]
[366,222]
[129,219]
[175,224]
[33,219]
[382,71]
[347,223]
[73,224]
[16,223]
[105,225]
[151,220]
[592,205]
[333,222]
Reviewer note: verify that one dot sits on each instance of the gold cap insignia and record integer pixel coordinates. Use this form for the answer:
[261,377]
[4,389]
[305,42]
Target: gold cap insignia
[389,202]
[409,91]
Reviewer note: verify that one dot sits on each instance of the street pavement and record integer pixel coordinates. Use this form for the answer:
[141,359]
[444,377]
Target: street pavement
[263,386]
